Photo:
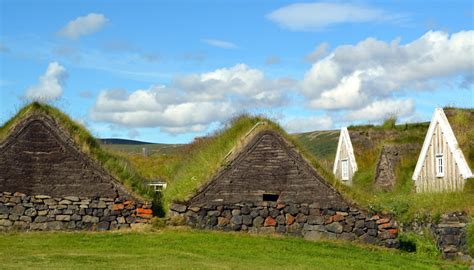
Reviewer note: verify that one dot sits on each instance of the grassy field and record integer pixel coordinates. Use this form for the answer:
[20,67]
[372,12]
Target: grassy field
[187,249]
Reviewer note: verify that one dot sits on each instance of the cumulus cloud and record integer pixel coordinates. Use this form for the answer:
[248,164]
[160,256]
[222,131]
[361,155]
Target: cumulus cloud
[50,85]
[305,124]
[190,103]
[354,76]
[85,25]
[220,43]
[383,109]
[317,16]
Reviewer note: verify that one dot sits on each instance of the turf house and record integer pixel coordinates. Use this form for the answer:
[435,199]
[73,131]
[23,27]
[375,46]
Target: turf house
[50,178]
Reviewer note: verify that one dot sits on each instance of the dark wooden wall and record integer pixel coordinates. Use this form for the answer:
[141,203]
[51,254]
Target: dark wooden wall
[268,165]
[38,159]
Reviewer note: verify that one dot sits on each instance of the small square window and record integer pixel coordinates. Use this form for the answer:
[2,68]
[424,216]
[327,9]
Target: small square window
[439,165]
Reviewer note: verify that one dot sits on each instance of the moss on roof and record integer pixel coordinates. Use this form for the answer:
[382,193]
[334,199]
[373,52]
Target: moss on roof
[117,166]
[203,158]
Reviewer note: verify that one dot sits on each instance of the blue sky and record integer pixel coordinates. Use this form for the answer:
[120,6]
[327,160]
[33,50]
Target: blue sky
[167,71]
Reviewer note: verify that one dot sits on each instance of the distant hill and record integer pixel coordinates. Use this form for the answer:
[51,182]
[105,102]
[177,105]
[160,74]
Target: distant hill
[121,141]
[136,147]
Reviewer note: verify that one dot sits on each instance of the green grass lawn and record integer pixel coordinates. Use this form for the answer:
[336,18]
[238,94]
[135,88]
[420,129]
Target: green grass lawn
[188,249]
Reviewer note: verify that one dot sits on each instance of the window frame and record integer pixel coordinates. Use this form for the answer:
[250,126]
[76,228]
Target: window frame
[345,173]
[440,165]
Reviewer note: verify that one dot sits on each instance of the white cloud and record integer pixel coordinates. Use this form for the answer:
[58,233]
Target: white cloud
[317,16]
[220,43]
[191,103]
[50,85]
[318,52]
[383,109]
[305,124]
[85,25]
[353,76]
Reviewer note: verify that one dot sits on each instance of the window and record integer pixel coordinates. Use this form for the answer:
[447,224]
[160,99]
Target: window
[270,197]
[439,165]
[345,169]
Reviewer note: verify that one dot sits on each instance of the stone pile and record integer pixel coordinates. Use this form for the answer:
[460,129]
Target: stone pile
[309,221]
[42,212]
[451,235]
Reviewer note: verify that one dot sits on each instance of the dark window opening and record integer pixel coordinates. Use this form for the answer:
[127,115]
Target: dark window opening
[270,197]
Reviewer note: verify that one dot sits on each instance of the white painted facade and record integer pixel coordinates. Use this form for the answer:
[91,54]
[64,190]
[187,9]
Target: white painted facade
[345,164]
[441,165]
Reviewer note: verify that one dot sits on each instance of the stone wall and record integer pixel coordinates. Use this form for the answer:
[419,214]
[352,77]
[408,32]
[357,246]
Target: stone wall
[451,235]
[390,157]
[21,212]
[309,221]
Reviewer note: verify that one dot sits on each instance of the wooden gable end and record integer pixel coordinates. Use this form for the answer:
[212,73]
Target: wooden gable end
[39,158]
[267,169]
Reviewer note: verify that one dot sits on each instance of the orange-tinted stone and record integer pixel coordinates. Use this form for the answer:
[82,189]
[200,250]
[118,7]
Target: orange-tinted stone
[328,220]
[117,207]
[290,219]
[280,206]
[393,231]
[385,226]
[383,220]
[143,211]
[375,217]
[337,217]
[269,222]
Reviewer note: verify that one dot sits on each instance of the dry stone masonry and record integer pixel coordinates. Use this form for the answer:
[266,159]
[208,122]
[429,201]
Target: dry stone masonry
[270,188]
[21,212]
[451,235]
[48,183]
[311,221]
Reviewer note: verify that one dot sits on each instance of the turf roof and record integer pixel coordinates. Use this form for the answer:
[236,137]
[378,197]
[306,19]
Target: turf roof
[118,167]
[202,159]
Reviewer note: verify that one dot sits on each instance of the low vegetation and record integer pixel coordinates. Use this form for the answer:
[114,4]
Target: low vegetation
[470,238]
[188,249]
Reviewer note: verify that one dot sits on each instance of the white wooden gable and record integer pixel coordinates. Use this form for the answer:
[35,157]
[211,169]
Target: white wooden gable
[439,118]
[346,140]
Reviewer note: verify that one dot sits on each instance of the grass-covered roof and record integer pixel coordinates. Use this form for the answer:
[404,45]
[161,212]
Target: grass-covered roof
[117,166]
[195,164]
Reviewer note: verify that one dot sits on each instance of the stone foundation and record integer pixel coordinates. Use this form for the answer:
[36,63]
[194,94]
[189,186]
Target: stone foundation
[309,221]
[451,235]
[21,212]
